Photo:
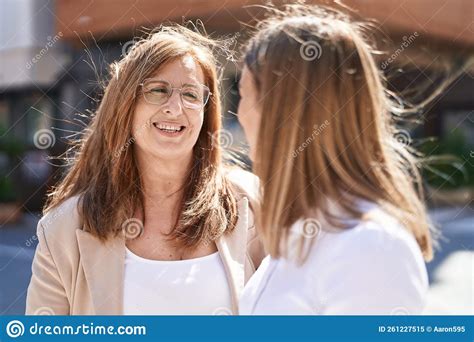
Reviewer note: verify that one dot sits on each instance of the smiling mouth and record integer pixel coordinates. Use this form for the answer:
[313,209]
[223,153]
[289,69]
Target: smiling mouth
[169,128]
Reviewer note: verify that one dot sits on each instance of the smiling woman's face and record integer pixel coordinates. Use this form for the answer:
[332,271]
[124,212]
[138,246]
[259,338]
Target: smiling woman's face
[169,130]
[249,111]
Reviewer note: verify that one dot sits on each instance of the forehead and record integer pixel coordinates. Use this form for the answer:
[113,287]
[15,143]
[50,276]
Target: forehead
[181,70]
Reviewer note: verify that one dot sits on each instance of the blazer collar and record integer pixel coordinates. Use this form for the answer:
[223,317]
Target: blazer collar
[232,249]
[104,264]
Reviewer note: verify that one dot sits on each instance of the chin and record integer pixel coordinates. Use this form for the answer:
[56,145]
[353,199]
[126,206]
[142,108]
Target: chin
[169,153]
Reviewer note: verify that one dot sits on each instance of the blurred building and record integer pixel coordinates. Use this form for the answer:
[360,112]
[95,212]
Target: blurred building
[32,63]
[52,54]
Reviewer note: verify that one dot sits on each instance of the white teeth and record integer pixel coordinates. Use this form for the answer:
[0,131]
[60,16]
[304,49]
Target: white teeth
[171,128]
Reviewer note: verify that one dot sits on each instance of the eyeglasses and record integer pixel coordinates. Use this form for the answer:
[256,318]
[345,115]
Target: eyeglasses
[193,96]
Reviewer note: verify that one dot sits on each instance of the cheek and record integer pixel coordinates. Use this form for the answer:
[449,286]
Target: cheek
[138,125]
[196,122]
[243,113]
[249,117]
[140,117]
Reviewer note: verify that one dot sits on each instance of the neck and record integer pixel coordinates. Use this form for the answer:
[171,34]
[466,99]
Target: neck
[163,180]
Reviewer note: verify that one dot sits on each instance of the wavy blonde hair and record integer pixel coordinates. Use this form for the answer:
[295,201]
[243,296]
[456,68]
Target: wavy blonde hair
[104,172]
[315,71]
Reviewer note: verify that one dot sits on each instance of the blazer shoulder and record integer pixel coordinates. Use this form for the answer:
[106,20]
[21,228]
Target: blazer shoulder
[245,183]
[63,220]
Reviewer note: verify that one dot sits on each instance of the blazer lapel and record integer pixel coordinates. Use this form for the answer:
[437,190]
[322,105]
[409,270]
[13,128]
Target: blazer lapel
[232,249]
[103,265]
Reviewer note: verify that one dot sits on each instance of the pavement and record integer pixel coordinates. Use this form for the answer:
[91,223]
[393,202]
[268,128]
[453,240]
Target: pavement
[451,273]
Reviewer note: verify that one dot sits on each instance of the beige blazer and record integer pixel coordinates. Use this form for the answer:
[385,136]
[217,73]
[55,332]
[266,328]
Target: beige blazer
[74,273]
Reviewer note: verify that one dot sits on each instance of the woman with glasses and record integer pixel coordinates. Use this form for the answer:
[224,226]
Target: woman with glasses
[147,220]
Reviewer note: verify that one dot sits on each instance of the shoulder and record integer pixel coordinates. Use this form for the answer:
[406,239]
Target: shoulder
[377,264]
[59,225]
[380,234]
[245,183]
[378,238]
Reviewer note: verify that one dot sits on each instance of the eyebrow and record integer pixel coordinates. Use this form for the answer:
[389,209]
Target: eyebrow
[190,84]
[195,85]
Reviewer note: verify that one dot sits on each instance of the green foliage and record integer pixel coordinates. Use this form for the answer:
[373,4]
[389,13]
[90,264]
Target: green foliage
[449,162]
[12,148]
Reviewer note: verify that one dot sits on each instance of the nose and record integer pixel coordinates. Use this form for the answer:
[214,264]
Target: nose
[173,106]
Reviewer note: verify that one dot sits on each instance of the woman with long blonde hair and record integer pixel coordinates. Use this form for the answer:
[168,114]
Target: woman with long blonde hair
[341,209]
[147,220]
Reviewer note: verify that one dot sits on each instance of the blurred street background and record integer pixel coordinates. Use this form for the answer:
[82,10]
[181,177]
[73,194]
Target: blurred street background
[54,55]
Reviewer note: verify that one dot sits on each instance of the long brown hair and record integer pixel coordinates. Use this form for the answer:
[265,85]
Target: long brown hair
[328,132]
[104,173]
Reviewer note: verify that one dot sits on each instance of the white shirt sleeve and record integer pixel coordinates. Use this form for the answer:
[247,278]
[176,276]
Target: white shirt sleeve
[369,271]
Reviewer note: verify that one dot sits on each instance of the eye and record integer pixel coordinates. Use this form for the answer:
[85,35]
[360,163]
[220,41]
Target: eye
[191,95]
[159,90]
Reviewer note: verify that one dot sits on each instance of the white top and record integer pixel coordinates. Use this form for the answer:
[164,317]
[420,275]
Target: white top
[373,268]
[185,287]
